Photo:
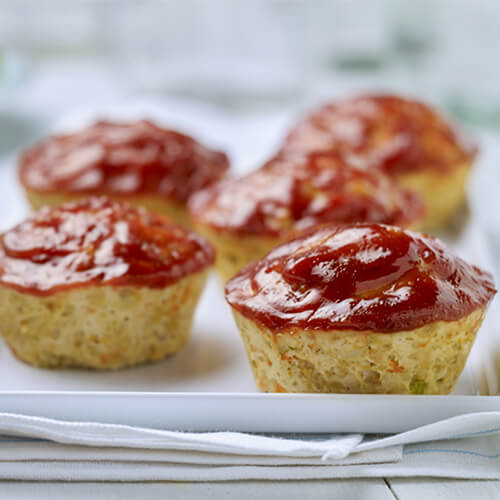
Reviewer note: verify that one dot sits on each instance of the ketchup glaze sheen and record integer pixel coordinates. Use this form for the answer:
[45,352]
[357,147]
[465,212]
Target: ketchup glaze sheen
[98,242]
[366,277]
[109,158]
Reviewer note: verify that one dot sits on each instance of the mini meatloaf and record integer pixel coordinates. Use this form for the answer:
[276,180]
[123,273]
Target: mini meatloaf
[245,218]
[404,138]
[139,162]
[99,284]
[366,308]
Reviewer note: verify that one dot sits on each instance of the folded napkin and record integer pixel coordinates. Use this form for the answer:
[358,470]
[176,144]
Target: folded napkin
[34,448]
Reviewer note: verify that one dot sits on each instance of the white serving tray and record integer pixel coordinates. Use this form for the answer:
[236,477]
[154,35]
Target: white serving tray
[208,385]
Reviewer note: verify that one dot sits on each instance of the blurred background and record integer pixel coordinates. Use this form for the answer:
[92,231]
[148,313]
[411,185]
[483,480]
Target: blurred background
[250,64]
[242,54]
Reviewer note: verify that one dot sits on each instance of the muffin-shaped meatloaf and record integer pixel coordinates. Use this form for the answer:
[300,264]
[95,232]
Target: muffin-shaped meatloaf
[366,308]
[245,218]
[138,162]
[404,138]
[99,284]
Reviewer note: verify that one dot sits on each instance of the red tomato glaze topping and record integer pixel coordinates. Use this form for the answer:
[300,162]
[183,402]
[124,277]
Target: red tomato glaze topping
[384,131]
[367,277]
[294,192]
[98,242]
[122,159]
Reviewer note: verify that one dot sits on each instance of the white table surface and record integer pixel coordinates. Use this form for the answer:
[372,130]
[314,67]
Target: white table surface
[352,489]
[51,93]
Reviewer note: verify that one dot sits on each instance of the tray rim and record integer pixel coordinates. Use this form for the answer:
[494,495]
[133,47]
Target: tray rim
[243,395]
[295,413]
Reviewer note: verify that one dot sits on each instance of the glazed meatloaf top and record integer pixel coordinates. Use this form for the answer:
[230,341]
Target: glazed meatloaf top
[367,277]
[392,133]
[110,158]
[98,242]
[297,191]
